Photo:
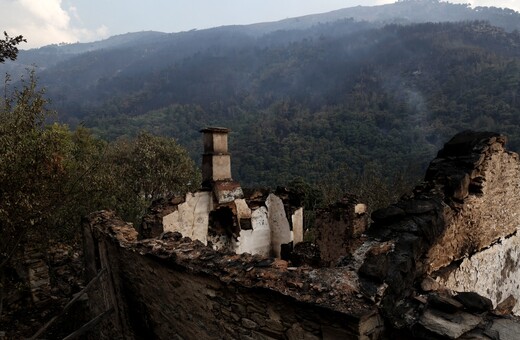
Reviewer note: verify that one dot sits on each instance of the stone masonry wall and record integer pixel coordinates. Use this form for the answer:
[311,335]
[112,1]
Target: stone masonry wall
[190,306]
[486,201]
[339,228]
[174,288]
[37,274]
[479,248]
[457,229]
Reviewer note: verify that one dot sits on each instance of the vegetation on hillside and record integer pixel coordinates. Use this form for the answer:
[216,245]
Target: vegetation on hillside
[329,98]
[332,110]
[50,176]
[9,47]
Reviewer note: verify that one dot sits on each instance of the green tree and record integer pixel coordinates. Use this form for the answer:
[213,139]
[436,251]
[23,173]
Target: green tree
[50,176]
[143,169]
[8,47]
[82,186]
[31,165]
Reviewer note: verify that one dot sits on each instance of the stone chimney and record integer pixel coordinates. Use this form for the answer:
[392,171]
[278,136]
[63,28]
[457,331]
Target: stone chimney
[216,160]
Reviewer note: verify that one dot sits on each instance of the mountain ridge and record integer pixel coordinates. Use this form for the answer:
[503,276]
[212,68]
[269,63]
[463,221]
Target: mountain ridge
[402,12]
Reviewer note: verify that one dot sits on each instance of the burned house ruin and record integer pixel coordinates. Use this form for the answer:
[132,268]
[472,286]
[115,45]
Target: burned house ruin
[441,263]
[221,216]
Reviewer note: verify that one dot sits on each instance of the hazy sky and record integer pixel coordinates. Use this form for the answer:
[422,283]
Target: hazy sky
[45,22]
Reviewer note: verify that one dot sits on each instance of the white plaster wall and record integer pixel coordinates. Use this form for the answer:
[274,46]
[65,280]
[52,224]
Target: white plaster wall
[192,217]
[493,273]
[297,223]
[280,230]
[270,227]
[257,240]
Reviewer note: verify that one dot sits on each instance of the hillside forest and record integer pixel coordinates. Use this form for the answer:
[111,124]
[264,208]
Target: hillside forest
[351,97]
[336,110]
[357,100]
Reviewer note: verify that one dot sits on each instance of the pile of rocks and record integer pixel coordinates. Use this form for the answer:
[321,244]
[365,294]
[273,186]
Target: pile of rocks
[464,315]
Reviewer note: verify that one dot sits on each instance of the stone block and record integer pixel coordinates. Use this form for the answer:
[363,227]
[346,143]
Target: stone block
[227,191]
[296,332]
[444,303]
[248,323]
[260,335]
[506,307]
[450,326]
[275,326]
[334,333]
[389,214]
[258,318]
[474,301]
[505,329]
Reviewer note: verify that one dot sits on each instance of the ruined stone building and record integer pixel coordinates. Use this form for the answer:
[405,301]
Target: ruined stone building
[219,215]
[441,263]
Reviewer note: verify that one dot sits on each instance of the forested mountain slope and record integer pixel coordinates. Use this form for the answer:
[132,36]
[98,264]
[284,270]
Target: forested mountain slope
[404,12]
[332,98]
[384,98]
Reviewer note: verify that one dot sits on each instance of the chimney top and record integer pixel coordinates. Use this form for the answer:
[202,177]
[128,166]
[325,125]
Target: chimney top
[216,160]
[216,129]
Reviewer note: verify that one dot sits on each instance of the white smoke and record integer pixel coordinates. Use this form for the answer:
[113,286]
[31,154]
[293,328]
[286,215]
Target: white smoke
[44,22]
